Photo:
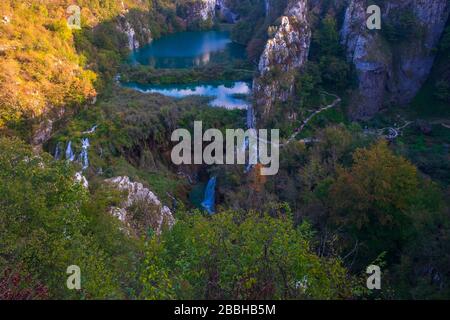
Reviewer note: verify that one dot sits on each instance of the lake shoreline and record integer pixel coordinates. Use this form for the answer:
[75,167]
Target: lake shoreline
[229,95]
[211,66]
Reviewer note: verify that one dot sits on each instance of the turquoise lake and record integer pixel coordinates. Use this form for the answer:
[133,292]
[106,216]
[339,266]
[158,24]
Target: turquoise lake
[189,50]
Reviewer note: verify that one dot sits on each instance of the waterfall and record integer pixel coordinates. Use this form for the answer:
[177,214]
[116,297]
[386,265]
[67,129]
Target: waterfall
[251,124]
[210,196]
[70,156]
[58,151]
[250,117]
[84,153]
[131,35]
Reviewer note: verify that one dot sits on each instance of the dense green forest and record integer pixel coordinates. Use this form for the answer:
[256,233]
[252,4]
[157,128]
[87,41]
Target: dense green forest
[349,199]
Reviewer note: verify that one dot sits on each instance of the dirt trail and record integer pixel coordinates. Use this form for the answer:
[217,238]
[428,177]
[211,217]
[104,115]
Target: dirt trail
[311,116]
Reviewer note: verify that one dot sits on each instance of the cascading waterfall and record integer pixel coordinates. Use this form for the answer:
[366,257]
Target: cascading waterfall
[131,33]
[83,158]
[84,153]
[250,117]
[250,125]
[58,151]
[70,156]
[210,196]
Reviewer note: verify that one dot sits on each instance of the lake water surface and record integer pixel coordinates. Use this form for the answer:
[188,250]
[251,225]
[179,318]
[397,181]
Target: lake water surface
[223,95]
[189,49]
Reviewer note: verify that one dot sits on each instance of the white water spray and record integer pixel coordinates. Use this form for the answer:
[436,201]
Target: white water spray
[84,153]
[70,156]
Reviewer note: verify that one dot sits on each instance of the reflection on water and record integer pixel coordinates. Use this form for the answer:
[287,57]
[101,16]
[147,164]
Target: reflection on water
[224,95]
[189,49]
[202,60]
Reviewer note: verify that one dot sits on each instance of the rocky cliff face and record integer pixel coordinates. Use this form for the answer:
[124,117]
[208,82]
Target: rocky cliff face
[208,10]
[284,53]
[136,29]
[200,11]
[391,73]
[151,212]
[225,12]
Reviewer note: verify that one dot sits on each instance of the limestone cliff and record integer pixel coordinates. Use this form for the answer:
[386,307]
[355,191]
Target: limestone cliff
[142,209]
[391,64]
[224,12]
[284,53]
[135,27]
[199,11]
[391,72]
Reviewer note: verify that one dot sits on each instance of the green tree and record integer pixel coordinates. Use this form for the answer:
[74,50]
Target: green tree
[374,198]
[240,256]
[45,225]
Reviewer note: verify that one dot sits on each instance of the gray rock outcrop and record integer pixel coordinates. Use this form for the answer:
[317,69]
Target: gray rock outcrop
[157,216]
[284,53]
[391,73]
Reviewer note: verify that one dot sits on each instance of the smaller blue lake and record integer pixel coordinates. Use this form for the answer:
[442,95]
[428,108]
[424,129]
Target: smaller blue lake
[223,95]
[189,49]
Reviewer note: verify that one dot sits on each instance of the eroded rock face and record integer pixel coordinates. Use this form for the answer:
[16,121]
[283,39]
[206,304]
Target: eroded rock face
[152,213]
[208,8]
[79,178]
[372,70]
[225,13]
[136,30]
[391,73]
[284,53]
[42,133]
[201,10]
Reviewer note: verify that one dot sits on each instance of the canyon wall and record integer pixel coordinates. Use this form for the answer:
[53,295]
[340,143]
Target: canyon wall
[225,12]
[285,52]
[391,64]
[208,10]
[392,72]
[135,27]
[202,10]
